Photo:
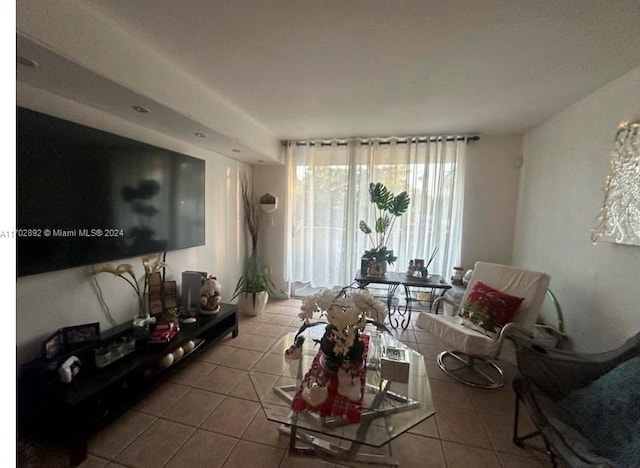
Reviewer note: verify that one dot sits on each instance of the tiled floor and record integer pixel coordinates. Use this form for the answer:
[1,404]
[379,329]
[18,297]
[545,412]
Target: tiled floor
[209,416]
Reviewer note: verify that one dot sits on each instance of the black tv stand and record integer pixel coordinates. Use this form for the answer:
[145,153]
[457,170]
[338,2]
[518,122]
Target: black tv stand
[70,414]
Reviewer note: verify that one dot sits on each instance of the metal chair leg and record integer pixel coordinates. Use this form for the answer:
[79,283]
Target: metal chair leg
[470,365]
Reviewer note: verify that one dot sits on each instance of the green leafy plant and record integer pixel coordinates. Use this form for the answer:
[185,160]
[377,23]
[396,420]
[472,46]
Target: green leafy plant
[254,279]
[388,208]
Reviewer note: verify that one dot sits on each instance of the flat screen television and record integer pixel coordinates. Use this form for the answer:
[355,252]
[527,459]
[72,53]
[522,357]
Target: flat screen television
[85,196]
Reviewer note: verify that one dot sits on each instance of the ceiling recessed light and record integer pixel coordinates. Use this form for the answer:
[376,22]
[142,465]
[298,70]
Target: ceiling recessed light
[142,110]
[236,150]
[200,135]
[27,62]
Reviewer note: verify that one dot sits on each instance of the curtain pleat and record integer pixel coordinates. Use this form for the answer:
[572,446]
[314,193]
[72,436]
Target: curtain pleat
[327,196]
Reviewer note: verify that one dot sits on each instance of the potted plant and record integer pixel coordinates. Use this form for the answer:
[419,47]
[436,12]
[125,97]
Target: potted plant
[254,285]
[387,207]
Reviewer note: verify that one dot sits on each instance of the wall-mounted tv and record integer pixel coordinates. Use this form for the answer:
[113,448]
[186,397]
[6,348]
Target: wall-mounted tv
[85,196]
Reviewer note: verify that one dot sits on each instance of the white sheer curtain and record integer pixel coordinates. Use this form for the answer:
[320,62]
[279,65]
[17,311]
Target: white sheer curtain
[327,196]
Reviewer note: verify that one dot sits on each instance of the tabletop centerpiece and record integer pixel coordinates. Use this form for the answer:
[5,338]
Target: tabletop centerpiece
[346,312]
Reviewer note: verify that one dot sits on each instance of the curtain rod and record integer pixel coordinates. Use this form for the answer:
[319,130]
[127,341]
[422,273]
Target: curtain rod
[386,141]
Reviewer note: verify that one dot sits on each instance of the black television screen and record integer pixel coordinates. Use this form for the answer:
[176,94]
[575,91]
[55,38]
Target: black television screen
[85,196]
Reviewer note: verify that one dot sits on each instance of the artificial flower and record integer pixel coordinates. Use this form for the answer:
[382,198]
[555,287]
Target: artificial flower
[346,310]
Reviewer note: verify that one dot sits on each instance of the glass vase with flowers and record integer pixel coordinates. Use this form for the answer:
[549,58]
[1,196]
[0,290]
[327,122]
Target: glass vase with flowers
[346,311]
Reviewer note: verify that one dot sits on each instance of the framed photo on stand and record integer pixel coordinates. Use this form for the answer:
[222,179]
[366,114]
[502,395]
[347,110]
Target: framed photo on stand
[364,266]
[79,335]
[52,346]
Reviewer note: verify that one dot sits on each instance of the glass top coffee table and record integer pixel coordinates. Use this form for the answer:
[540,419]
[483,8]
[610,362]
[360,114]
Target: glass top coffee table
[395,396]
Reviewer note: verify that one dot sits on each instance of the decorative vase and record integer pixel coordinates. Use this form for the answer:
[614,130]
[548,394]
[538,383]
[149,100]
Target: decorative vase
[332,361]
[252,304]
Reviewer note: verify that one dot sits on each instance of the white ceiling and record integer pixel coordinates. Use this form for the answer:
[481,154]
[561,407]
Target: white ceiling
[251,73]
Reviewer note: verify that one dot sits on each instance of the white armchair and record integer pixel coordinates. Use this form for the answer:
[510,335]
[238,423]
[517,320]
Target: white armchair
[474,349]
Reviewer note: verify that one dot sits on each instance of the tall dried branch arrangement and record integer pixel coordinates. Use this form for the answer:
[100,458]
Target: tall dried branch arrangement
[252,212]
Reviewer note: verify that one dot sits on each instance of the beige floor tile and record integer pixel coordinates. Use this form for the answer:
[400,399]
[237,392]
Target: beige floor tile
[430,351]
[194,407]
[463,456]
[161,399]
[156,445]
[221,379]
[512,461]
[248,454]
[231,417]
[284,320]
[216,353]
[414,451]
[493,400]
[262,384]
[260,343]
[235,342]
[265,432]
[203,449]
[462,426]
[271,363]
[434,371]
[427,428]
[242,359]
[93,462]
[244,389]
[450,393]
[304,461]
[291,329]
[268,329]
[192,373]
[114,465]
[119,434]
[261,318]
[247,326]
[499,427]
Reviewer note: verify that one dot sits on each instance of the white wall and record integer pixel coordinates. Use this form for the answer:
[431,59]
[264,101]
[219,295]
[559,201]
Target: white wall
[491,190]
[271,247]
[566,160]
[48,301]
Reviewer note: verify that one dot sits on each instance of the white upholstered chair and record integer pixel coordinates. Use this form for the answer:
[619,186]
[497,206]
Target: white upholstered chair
[471,359]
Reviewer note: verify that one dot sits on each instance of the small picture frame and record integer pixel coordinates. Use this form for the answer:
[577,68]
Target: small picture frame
[419,263]
[52,346]
[72,337]
[170,295]
[364,265]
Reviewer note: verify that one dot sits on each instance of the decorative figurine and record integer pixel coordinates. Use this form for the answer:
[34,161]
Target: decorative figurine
[315,394]
[295,350]
[210,296]
[349,385]
[412,268]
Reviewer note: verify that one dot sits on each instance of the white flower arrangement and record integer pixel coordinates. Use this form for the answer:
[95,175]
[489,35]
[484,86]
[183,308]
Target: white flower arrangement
[347,310]
[151,263]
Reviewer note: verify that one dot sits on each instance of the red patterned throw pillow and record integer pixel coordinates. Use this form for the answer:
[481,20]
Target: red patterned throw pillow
[487,310]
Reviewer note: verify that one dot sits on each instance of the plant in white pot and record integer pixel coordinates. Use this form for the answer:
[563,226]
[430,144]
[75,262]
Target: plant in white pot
[387,208]
[254,285]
